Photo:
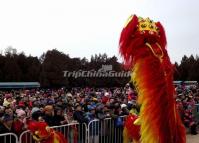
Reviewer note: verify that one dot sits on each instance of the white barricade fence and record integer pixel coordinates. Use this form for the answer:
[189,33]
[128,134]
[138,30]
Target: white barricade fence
[108,130]
[73,132]
[8,138]
[196,113]
[26,137]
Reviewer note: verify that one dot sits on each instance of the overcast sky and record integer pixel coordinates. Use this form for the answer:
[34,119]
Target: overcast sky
[82,28]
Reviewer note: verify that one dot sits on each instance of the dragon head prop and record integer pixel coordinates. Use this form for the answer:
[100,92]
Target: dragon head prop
[41,132]
[139,32]
[143,47]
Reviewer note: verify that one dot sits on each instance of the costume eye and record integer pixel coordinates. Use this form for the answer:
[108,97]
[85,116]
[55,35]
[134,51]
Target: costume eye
[143,25]
[151,26]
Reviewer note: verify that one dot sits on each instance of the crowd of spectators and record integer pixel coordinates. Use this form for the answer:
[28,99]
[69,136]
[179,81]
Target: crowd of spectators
[187,99]
[63,106]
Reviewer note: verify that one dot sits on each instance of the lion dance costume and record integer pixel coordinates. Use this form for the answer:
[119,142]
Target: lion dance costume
[143,48]
[42,133]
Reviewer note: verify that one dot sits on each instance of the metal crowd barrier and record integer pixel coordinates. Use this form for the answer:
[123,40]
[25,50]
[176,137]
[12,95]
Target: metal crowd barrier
[73,132]
[196,112]
[106,131]
[8,138]
[97,131]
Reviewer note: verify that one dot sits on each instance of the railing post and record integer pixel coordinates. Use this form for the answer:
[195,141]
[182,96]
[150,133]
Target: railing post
[9,138]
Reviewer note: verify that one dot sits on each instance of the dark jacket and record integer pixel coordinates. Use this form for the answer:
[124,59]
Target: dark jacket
[50,120]
[6,139]
[79,116]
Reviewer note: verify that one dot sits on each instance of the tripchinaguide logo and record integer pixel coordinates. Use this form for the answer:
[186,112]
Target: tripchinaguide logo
[104,71]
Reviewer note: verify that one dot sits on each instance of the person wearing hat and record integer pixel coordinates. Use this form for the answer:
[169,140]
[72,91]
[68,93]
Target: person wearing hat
[94,128]
[18,125]
[105,98]
[90,115]
[125,110]
[100,112]
[7,100]
[78,116]
[6,126]
[37,115]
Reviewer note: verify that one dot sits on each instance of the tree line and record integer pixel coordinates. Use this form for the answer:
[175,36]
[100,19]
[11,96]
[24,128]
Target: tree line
[188,69]
[48,69]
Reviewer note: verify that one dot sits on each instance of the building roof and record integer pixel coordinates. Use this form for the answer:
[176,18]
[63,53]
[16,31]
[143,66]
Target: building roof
[19,85]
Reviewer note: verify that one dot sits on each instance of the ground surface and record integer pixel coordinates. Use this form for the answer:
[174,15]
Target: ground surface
[193,138]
